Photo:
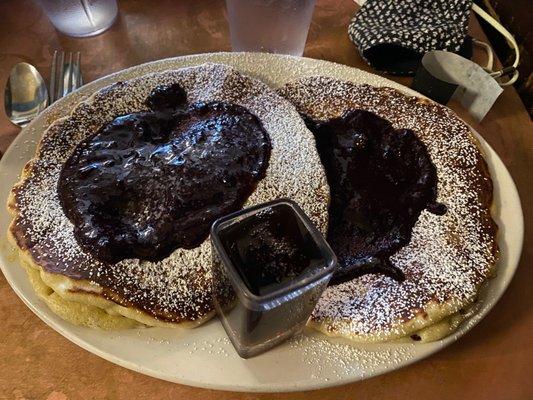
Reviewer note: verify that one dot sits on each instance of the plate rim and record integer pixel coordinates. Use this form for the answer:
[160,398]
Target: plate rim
[493,160]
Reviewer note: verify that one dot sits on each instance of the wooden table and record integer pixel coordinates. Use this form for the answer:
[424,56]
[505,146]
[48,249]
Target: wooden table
[493,361]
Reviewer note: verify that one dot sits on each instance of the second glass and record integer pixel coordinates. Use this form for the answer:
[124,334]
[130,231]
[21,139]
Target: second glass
[80,18]
[271,26]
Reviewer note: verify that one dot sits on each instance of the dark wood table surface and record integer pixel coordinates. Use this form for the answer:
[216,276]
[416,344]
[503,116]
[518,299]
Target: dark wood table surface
[493,361]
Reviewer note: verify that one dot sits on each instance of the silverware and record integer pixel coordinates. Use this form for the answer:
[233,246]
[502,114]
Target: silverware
[25,94]
[65,75]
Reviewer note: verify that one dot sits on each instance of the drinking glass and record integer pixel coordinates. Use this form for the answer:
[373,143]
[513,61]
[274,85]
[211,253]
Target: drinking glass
[271,26]
[80,18]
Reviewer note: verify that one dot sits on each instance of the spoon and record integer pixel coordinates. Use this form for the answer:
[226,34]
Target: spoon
[25,95]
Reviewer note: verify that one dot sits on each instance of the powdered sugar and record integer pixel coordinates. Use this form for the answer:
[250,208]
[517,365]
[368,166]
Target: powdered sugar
[449,256]
[178,288]
[369,306]
[345,359]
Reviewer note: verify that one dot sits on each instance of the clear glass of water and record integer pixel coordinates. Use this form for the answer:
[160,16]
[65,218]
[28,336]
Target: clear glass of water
[272,26]
[80,18]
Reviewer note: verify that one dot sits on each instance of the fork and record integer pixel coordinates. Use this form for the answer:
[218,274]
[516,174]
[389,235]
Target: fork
[64,77]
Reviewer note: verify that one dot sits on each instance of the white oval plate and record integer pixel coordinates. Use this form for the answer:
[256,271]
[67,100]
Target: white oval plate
[203,356]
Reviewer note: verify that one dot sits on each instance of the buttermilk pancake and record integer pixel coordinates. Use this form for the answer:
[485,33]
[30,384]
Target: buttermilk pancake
[410,210]
[112,215]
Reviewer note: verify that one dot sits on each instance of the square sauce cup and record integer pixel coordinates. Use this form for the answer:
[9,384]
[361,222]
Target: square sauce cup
[270,267]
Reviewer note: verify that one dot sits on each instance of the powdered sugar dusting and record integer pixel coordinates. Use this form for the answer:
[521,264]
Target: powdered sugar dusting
[179,287]
[334,361]
[449,256]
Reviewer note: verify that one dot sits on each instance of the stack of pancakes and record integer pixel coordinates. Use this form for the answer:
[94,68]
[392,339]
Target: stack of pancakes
[446,261]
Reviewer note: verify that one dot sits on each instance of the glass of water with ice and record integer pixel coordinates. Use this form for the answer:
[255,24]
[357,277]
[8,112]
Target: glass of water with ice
[272,26]
[80,18]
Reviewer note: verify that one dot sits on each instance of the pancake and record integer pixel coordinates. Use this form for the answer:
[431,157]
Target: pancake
[124,283]
[449,254]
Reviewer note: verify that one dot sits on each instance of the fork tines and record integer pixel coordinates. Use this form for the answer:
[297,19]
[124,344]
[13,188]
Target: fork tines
[65,77]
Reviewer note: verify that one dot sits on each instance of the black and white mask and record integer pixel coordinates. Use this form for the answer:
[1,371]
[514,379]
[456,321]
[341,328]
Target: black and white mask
[393,35]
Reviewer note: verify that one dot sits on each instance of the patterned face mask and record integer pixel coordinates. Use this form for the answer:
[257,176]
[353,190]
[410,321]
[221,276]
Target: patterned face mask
[392,36]
[429,38]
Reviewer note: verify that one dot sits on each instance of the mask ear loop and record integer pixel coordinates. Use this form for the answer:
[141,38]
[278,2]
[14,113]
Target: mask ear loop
[512,42]
[490,54]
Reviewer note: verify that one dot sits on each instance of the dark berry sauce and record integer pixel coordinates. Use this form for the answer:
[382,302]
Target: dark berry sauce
[381,179]
[150,182]
[271,248]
